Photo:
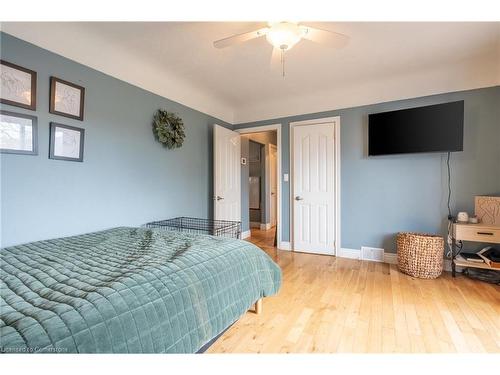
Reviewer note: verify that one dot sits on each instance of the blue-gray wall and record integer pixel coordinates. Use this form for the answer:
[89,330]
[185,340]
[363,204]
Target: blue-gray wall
[127,177]
[381,196]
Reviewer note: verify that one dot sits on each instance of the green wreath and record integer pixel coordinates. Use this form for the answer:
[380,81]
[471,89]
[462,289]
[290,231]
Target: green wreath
[168,129]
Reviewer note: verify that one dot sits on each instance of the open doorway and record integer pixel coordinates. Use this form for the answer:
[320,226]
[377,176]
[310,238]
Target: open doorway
[260,184]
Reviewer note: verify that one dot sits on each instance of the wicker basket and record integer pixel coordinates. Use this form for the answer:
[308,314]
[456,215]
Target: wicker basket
[420,255]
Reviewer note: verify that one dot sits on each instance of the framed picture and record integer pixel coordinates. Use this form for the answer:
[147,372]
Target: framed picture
[18,133]
[66,142]
[17,86]
[66,99]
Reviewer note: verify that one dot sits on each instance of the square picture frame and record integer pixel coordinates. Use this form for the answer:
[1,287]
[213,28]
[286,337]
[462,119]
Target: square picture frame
[14,139]
[66,142]
[17,86]
[66,99]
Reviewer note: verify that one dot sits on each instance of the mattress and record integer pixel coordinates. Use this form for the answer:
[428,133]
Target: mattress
[128,290]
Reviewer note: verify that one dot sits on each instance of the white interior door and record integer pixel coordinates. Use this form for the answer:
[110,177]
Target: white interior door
[227,193]
[313,188]
[274,182]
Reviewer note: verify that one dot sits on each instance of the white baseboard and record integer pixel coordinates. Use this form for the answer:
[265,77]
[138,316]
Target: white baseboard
[284,245]
[245,234]
[373,254]
[389,258]
[254,224]
[356,254]
[349,253]
[265,226]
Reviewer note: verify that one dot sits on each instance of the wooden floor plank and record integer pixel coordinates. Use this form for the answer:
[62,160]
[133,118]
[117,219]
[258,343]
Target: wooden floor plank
[328,305]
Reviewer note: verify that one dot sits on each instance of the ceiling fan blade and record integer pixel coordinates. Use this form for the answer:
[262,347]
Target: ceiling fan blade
[240,38]
[324,37]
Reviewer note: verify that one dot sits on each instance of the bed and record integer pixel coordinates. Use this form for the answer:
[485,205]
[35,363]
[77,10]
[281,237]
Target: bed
[128,290]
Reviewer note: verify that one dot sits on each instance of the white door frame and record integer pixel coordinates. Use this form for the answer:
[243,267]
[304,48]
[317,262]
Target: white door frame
[270,196]
[336,125]
[264,128]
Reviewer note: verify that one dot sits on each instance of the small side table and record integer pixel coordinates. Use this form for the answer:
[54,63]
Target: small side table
[473,233]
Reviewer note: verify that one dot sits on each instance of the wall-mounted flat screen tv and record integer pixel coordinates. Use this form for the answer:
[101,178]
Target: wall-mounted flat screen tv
[434,128]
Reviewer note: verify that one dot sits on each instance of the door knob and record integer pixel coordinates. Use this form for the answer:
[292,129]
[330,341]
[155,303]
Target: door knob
[219,198]
[297,198]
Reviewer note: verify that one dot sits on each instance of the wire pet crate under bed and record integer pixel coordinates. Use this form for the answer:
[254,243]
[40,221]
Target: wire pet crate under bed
[221,228]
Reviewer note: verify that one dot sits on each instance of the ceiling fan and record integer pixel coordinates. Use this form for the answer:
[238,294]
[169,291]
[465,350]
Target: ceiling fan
[283,36]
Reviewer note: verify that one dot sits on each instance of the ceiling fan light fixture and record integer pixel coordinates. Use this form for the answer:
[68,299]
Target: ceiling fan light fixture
[284,35]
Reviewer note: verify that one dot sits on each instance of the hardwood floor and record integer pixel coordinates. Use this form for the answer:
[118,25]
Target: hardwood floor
[329,304]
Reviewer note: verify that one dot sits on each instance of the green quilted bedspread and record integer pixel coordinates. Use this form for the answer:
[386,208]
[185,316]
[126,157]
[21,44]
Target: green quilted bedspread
[132,290]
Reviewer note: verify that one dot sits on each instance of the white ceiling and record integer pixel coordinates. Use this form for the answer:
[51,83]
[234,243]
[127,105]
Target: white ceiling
[383,61]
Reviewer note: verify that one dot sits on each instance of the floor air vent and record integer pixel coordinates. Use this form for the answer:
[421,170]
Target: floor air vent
[372,253]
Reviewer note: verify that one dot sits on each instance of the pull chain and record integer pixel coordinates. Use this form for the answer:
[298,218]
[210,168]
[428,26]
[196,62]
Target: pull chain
[283,62]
